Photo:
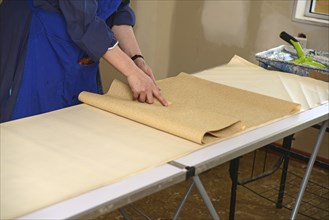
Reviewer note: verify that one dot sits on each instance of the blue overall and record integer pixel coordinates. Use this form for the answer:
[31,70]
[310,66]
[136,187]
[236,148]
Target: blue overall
[52,76]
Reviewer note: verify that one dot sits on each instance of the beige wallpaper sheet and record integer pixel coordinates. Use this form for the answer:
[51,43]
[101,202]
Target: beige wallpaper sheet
[200,111]
[51,157]
[240,73]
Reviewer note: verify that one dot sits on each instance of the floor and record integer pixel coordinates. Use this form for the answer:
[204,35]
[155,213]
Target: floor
[253,199]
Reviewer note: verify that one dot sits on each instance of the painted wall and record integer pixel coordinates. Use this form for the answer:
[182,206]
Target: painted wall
[194,35]
[190,35]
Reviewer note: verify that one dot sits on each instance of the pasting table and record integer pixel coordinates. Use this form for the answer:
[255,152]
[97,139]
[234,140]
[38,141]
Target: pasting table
[82,161]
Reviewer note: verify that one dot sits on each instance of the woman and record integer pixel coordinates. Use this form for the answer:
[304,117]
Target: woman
[50,51]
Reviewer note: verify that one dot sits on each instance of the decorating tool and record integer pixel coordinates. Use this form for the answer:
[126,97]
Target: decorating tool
[302,59]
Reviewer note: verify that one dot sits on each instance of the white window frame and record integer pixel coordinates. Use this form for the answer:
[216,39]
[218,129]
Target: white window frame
[302,13]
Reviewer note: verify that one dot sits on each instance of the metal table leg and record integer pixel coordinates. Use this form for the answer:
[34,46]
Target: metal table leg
[287,142]
[178,210]
[309,169]
[234,168]
[198,184]
[124,214]
[205,197]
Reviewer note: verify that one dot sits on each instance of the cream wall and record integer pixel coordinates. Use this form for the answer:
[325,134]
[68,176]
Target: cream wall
[183,35]
[194,35]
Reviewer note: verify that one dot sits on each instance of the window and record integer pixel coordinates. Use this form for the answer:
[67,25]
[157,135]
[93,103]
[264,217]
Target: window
[317,9]
[312,11]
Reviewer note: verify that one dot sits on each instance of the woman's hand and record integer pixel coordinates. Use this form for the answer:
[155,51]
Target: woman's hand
[140,62]
[144,89]
[142,85]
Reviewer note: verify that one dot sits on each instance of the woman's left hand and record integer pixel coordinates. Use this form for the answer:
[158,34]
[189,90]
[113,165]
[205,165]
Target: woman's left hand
[140,62]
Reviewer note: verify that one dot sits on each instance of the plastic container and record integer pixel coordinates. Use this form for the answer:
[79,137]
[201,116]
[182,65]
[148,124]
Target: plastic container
[280,58]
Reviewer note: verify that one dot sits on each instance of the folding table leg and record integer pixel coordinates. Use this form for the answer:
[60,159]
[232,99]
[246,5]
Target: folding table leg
[197,182]
[234,168]
[309,169]
[124,214]
[205,197]
[287,142]
[178,210]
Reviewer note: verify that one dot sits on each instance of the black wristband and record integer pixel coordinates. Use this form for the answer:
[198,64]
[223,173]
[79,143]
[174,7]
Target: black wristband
[137,56]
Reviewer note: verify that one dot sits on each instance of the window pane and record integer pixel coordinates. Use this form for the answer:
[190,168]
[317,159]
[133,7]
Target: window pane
[317,9]
[320,6]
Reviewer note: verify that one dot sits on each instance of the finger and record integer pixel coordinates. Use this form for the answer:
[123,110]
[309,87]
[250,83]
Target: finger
[135,95]
[149,98]
[161,99]
[142,97]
